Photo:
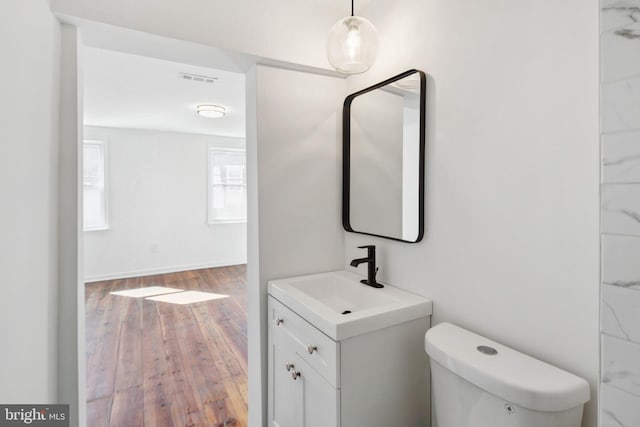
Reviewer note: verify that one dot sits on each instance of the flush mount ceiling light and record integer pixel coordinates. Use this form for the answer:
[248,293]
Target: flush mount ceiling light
[352,46]
[211,111]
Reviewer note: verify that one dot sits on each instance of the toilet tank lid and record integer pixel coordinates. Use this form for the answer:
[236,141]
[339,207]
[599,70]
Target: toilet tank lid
[508,374]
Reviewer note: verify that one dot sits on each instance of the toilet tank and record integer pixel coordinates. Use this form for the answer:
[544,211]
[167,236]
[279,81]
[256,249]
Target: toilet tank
[477,382]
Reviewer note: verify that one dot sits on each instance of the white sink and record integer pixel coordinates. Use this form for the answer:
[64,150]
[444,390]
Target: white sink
[342,307]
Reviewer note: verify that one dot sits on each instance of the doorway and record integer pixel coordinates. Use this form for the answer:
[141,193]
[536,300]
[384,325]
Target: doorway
[164,243]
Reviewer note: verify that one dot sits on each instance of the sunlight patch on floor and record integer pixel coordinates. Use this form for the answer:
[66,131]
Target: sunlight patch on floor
[146,292]
[187,297]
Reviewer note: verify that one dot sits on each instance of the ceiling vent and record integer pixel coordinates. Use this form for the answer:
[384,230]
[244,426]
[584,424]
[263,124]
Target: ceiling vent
[198,78]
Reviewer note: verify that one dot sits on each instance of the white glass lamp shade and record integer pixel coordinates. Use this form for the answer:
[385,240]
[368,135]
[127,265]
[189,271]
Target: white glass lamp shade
[352,46]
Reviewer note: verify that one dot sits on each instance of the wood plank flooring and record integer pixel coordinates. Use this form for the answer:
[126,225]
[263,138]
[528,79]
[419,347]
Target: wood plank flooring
[158,364]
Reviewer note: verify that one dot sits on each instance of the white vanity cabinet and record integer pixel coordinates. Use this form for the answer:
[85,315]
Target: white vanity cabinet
[302,396]
[376,379]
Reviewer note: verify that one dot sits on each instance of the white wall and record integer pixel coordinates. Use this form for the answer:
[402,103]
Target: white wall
[157,206]
[293,127]
[511,243]
[620,41]
[30,44]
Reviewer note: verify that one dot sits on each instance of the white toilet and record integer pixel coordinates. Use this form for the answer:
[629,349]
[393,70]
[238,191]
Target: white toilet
[477,382]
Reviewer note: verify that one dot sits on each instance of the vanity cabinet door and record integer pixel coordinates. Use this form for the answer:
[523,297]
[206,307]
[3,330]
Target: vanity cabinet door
[318,401]
[283,389]
[299,396]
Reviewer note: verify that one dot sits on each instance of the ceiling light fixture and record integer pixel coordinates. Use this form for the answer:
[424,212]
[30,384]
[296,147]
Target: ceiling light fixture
[352,46]
[211,111]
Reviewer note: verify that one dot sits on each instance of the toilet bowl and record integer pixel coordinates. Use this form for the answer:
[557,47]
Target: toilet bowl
[477,382]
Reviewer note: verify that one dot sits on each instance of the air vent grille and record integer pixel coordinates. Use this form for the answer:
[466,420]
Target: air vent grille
[198,78]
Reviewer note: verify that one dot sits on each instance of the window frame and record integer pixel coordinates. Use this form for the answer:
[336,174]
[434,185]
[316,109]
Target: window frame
[103,147]
[215,148]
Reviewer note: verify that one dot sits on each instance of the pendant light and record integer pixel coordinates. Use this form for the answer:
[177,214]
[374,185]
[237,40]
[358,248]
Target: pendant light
[352,46]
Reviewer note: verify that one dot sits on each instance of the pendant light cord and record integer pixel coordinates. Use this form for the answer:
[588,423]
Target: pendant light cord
[351,7]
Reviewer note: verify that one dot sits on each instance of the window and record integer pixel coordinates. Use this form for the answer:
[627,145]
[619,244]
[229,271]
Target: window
[94,191]
[227,185]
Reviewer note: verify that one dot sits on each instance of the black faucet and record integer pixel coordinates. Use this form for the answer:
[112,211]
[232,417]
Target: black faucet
[371,270]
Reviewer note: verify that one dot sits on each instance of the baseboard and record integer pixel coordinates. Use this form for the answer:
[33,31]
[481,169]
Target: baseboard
[162,270]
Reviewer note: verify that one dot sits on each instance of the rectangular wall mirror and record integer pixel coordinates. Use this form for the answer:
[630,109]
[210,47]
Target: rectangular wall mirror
[383,140]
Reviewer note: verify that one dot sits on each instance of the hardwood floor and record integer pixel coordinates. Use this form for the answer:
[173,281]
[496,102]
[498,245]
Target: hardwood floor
[159,364]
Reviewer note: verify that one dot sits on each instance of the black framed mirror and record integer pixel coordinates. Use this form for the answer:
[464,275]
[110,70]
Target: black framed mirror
[383,147]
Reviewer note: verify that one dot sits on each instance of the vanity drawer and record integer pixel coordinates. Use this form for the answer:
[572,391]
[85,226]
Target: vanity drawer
[317,349]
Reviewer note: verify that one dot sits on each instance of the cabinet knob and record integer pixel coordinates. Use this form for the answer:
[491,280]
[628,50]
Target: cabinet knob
[312,348]
[289,366]
[295,375]
[279,321]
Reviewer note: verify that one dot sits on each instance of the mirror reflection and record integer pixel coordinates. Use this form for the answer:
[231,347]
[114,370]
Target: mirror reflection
[384,159]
